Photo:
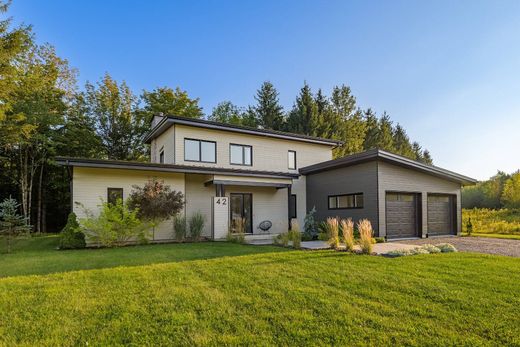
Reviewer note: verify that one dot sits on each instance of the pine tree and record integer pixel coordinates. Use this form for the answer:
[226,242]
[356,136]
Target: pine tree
[417,150]
[303,118]
[372,130]
[268,111]
[385,139]
[426,157]
[402,142]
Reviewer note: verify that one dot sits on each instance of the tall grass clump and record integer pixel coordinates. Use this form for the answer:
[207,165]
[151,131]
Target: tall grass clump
[347,230]
[179,228]
[365,236]
[237,233]
[296,235]
[197,221]
[332,226]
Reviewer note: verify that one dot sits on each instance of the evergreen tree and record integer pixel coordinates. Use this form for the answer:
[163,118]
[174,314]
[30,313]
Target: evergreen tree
[417,150]
[427,158]
[402,142]
[303,119]
[372,130]
[385,140]
[268,111]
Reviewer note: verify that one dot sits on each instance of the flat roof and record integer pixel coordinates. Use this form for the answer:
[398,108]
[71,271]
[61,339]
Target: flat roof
[169,120]
[134,165]
[377,154]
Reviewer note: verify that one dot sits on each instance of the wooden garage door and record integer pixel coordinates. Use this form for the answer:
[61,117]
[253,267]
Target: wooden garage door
[440,215]
[401,215]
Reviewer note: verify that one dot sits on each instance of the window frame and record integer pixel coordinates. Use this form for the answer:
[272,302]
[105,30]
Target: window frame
[200,150]
[355,207]
[114,189]
[293,196]
[289,162]
[243,154]
[161,155]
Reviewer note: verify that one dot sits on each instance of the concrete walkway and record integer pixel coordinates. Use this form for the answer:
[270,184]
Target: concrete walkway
[379,248]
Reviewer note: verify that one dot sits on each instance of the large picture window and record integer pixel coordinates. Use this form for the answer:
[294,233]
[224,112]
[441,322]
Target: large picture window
[240,154]
[200,150]
[114,194]
[337,202]
[291,159]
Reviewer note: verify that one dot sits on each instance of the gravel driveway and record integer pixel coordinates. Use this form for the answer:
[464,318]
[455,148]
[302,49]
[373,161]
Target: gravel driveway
[475,244]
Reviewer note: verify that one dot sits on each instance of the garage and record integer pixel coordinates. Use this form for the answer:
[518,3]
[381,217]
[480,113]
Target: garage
[440,214]
[401,215]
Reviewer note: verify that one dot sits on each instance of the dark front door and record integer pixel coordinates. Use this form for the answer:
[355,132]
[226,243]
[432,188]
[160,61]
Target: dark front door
[241,212]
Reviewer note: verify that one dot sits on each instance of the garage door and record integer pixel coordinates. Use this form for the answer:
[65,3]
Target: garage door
[440,215]
[401,215]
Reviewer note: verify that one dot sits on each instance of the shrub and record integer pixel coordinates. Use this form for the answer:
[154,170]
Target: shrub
[347,230]
[179,228]
[236,237]
[431,248]
[12,224]
[419,250]
[197,222]
[332,228]
[469,227]
[365,236]
[282,239]
[295,235]
[71,236]
[310,226]
[116,225]
[379,239]
[446,248]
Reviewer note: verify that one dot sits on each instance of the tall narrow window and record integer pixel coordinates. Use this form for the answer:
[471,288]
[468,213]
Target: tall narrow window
[161,156]
[291,158]
[199,150]
[114,194]
[292,206]
[240,154]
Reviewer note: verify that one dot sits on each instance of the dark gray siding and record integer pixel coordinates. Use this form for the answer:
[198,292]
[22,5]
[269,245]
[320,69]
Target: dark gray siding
[360,178]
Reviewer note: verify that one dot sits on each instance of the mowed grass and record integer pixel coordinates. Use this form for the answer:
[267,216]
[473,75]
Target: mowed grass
[266,297]
[39,255]
[503,223]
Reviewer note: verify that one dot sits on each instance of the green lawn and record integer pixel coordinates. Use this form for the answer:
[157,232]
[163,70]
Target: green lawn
[263,297]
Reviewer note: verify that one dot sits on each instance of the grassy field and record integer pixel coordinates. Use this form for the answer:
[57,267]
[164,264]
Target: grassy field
[504,223]
[249,295]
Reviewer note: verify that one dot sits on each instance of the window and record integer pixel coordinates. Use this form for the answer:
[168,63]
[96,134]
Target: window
[292,206]
[240,154]
[346,201]
[291,158]
[161,156]
[114,194]
[198,150]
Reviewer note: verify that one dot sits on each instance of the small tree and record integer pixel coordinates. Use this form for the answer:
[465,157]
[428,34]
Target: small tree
[12,224]
[310,227]
[71,236]
[155,202]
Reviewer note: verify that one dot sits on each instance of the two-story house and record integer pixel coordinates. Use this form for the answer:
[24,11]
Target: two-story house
[274,176]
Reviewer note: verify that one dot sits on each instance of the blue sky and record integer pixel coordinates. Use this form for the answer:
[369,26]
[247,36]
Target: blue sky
[448,71]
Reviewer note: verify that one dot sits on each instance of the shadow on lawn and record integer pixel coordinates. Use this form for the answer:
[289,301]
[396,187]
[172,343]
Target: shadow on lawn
[38,255]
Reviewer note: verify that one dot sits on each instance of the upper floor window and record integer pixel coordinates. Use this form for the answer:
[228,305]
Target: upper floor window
[200,150]
[240,154]
[161,156]
[114,194]
[291,158]
[346,201]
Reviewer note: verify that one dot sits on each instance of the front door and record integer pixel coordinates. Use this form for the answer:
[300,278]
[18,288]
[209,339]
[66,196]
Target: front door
[241,212]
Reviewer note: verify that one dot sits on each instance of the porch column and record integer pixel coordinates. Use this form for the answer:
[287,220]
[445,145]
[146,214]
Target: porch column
[289,191]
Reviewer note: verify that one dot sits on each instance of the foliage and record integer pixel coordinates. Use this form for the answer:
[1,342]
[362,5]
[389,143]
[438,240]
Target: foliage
[365,236]
[282,239]
[486,194]
[229,113]
[295,235]
[511,192]
[347,231]
[167,101]
[116,225]
[469,227]
[332,231]
[180,228]
[12,224]
[431,248]
[310,226]
[155,201]
[232,237]
[488,221]
[282,284]
[446,248]
[424,249]
[268,111]
[197,222]
[379,239]
[72,236]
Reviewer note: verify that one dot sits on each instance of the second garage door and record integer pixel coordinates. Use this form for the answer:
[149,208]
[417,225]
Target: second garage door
[401,215]
[440,214]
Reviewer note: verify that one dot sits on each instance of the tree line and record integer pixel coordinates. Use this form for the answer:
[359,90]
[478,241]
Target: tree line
[500,191]
[44,114]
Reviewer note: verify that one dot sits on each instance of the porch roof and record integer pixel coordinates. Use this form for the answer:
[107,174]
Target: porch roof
[133,165]
[249,181]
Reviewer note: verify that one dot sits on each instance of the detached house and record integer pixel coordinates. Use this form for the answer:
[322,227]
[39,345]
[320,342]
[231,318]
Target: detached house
[228,172]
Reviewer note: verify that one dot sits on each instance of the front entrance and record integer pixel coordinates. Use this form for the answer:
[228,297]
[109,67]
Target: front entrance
[241,212]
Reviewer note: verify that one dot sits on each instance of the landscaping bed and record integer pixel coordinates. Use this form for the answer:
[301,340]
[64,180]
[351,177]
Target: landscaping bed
[475,244]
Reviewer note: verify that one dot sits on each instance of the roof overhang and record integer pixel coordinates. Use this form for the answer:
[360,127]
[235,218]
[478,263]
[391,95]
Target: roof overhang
[249,181]
[391,158]
[131,165]
[168,121]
